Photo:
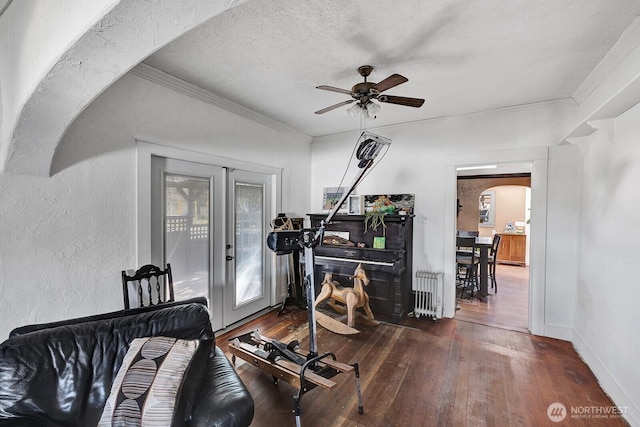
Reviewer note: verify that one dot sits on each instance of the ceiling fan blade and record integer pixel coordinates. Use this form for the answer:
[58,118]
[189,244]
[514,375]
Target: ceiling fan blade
[334,89]
[333,107]
[391,81]
[401,100]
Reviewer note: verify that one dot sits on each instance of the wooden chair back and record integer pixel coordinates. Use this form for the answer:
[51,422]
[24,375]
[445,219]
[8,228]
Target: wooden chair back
[151,285]
[466,248]
[495,245]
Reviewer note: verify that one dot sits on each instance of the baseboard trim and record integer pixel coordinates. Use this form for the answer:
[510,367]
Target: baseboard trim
[558,332]
[245,320]
[607,381]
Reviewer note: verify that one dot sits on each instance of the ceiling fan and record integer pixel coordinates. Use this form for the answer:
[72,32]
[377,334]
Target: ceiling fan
[363,93]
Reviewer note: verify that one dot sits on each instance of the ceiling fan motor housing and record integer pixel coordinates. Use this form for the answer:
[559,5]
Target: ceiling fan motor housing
[363,92]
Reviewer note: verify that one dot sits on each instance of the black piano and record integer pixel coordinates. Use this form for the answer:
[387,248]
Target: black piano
[389,269]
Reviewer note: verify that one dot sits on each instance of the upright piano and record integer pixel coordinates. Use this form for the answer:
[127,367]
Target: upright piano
[389,269]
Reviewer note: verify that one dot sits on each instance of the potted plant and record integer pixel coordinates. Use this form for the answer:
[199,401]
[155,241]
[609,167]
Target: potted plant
[375,217]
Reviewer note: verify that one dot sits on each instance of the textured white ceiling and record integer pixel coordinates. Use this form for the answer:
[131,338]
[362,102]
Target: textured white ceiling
[461,56]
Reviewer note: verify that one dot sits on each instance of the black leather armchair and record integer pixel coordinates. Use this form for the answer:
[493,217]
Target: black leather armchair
[60,374]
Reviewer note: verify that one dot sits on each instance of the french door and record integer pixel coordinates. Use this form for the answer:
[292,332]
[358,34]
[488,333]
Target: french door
[208,222]
[248,267]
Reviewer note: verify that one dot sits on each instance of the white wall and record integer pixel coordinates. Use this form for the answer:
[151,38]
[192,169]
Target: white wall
[418,161]
[563,222]
[607,311]
[65,239]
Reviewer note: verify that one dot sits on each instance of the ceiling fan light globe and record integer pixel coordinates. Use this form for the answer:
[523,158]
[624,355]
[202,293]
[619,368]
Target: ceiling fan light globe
[354,110]
[373,109]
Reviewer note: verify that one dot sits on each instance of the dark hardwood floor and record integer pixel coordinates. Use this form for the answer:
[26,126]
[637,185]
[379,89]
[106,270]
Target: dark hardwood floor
[509,308]
[426,373]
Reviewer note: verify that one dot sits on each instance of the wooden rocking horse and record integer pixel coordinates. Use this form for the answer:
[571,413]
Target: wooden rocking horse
[345,299]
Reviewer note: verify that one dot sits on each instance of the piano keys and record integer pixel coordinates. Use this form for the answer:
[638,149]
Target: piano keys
[356,261]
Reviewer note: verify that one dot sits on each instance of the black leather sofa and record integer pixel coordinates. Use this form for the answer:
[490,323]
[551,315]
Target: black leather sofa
[60,374]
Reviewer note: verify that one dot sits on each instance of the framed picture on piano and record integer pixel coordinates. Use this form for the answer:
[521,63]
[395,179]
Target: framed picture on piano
[379,242]
[355,205]
[331,196]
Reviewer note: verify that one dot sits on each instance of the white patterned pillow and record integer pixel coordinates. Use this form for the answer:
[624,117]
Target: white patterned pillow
[148,384]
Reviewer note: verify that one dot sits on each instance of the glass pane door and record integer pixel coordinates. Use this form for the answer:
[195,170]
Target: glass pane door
[188,230]
[249,220]
[187,233]
[250,271]
[210,224]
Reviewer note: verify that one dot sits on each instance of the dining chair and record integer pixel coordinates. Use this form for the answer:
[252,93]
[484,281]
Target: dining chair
[151,286]
[467,261]
[466,233]
[493,259]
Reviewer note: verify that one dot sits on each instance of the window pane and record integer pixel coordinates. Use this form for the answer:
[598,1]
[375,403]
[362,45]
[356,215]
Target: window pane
[249,241]
[187,234]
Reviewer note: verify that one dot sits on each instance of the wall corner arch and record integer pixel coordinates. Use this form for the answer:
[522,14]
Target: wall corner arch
[124,34]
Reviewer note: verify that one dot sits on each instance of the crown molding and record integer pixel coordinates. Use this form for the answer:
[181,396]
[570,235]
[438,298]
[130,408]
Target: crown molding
[510,109]
[483,114]
[628,41]
[171,82]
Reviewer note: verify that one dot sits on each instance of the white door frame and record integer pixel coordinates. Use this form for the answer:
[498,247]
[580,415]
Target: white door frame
[538,157]
[233,312]
[144,151]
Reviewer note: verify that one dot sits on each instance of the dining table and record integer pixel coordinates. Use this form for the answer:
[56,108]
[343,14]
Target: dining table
[483,244]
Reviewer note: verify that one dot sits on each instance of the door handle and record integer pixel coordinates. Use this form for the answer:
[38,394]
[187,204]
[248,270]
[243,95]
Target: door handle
[229,258]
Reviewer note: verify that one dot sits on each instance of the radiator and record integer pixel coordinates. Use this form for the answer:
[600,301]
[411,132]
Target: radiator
[427,289]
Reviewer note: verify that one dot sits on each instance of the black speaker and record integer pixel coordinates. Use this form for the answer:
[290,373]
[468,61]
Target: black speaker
[285,241]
